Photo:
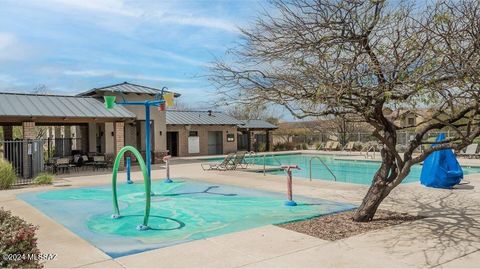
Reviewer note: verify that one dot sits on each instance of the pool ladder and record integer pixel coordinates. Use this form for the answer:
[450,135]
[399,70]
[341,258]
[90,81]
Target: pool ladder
[324,164]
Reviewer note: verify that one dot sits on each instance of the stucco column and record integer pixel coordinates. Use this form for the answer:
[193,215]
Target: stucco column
[7,132]
[119,140]
[29,133]
[92,137]
[67,130]
[109,138]
[83,138]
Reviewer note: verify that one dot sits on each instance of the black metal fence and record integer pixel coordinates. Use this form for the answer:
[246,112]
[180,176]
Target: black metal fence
[26,157]
[61,147]
[313,140]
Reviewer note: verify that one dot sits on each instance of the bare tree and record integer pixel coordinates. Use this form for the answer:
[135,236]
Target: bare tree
[251,112]
[358,57]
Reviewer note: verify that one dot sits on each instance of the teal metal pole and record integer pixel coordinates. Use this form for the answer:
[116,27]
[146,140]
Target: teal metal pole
[128,164]
[148,152]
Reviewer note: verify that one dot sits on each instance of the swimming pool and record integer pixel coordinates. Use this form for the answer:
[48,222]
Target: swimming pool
[180,212]
[351,171]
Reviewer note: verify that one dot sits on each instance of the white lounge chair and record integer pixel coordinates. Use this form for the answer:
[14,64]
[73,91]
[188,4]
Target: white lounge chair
[349,146]
[470,151]
[226,164]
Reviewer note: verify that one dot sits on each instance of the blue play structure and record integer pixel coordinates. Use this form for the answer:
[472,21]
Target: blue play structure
[441,168]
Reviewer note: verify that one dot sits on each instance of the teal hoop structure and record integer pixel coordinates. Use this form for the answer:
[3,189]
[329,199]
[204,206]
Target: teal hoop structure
[146,179]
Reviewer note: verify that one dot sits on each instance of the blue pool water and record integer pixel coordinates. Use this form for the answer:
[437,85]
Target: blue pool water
[180,212]
[359,172]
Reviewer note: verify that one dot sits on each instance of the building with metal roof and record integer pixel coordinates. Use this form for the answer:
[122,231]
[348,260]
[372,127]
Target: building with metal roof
[191,133]
[200,118]
[125,88]
[256,124]
[18,107]
[81,124]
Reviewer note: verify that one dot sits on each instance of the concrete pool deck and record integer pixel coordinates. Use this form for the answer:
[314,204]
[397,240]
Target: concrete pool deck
[449,237]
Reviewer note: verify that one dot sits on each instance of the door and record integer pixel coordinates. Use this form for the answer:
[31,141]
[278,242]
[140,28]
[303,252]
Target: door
[172,143]
[215,142]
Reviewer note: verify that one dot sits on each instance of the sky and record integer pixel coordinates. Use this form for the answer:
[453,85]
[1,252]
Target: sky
[72,46]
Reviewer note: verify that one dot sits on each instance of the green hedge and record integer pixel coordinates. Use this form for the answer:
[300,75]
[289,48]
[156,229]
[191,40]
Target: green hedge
[43,179]
[18,243]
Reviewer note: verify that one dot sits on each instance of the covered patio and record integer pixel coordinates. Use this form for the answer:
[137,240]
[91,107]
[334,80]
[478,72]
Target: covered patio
[41,130]
[255,135]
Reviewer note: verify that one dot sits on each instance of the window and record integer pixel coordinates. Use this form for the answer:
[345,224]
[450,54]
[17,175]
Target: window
[230,137]
[193,133]
[411,121]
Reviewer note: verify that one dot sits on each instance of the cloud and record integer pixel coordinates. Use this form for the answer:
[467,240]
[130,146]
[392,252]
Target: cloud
[11,48]
[176,57]
[147,13]
[106,6]
[191,20]
[122,75]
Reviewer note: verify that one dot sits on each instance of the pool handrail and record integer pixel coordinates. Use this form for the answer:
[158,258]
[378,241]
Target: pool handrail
[324,164]
[370,149]
[273,158]
[251,158]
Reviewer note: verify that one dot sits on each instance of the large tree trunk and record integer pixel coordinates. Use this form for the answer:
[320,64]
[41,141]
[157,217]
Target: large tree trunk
[375,195]
[379,188]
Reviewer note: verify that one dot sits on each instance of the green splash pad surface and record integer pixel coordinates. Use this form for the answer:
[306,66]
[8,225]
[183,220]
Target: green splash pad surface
[180,212]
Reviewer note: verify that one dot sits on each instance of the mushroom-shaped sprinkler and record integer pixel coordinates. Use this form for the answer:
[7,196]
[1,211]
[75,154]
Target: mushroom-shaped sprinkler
[166,159]
[288,169]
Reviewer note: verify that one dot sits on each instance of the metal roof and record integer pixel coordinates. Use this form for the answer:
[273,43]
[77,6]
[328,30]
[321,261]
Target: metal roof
[125,87]
[256,124]
[18,104]
[200,118]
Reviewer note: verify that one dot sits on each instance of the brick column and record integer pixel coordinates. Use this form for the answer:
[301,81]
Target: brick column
[28,134]
[7,132]
[119,128]
[29,131]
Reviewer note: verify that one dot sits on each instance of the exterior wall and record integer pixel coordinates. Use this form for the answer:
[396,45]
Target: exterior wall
[92,137]
[109,135]
[203,137]
[119,141]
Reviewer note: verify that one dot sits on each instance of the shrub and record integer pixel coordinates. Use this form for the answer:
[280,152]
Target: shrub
[7,175]
[262,147]
[43,179]
[284,146]
[304,146]
[17,238]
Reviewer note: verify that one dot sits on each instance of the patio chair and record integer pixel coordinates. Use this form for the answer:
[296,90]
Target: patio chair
[239,160]
[224,165]
[349,146]
[99,162]
[470,151]
[62,164]
[335,145]
[328,145]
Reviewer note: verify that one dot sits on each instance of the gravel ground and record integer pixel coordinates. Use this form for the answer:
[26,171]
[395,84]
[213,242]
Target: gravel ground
[339,226]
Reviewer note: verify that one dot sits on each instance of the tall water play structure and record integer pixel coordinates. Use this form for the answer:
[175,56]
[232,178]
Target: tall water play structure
[160,100]
[441,168]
